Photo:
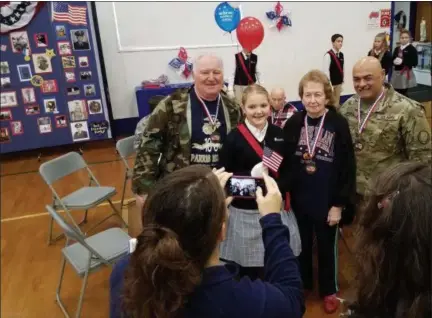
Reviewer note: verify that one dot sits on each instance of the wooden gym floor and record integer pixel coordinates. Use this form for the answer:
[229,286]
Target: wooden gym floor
[30,268]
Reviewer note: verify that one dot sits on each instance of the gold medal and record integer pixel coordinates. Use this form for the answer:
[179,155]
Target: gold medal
[307,156]
[311,167]
[358,146]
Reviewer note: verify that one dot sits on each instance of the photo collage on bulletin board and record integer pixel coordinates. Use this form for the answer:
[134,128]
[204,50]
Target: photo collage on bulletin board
[51,92]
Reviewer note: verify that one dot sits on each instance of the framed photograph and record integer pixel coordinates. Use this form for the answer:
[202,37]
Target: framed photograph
[89,90]
[4,135]
[77,110]
[86,75]
[60,32]
[17,127]
[83,61]
[50,105]
[94,106]
[32,110]
[42,63]
[80,40]
[41,39]
[80,131]
[49,86]
[44,124]
[70,77]
[68,61]
[24,72]
[64,48]
[61,121]
[5,115]
[8,99]
[5,82]
[20,42]
[28,95]
[72,91]
[4,67]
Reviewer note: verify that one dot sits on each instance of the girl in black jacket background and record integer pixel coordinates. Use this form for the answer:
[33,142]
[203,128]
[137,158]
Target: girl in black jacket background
[380,50]
[320,175]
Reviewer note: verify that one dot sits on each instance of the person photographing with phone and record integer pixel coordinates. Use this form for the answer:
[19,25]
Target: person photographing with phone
[249,151]
[174,270]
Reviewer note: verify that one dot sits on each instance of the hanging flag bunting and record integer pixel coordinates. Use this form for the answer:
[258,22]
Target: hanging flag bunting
[181,63]
[280,19]
[17,15]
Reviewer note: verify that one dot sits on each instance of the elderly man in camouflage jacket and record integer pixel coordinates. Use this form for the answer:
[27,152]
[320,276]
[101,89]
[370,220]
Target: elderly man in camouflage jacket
[187,127]
[386,127]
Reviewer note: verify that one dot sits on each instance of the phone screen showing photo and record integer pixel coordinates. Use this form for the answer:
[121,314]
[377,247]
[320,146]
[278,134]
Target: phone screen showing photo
[244,187]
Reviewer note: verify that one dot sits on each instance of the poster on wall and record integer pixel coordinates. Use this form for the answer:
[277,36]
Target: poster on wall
[52,92]
[379,19]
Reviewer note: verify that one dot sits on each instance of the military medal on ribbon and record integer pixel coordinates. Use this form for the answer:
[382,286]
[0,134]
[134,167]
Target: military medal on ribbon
[358,146]
[311,167]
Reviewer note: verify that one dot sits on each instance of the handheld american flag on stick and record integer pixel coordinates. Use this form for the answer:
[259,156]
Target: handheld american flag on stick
[64,12]
[271,159]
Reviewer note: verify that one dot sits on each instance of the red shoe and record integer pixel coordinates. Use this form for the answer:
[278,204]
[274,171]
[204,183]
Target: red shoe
[331,304]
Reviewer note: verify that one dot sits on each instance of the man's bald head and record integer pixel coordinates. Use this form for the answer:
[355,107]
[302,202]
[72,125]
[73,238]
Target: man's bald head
[277,96]
[368,78]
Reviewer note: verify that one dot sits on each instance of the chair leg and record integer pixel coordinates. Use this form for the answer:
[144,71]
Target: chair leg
[124,191]
[50,229]
[84,220]
[81,298]
[58,298]
[117,212]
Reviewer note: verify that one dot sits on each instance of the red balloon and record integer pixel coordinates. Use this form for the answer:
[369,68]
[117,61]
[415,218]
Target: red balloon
[250,33]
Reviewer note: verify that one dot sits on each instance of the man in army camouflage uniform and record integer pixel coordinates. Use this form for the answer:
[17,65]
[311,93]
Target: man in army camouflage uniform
[186,127]
[391,128]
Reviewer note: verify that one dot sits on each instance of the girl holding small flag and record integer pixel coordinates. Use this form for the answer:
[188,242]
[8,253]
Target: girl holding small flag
[253,148]
[320,175]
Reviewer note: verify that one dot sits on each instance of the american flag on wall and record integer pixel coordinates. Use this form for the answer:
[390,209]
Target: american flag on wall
[64,12]
[271,159]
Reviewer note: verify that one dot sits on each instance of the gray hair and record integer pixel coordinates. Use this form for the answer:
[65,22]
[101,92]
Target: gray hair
[197,61]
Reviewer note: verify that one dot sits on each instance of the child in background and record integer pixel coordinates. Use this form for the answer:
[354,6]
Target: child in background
[380,50]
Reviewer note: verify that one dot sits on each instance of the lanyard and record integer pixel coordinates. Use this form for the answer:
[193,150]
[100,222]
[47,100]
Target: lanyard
[361,125]
[317,136]
[204,106]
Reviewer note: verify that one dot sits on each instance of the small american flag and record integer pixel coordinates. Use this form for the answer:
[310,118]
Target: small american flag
[271,159]
[64,12]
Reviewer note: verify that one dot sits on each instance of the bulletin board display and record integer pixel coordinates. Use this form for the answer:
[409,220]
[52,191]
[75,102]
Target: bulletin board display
[51,85]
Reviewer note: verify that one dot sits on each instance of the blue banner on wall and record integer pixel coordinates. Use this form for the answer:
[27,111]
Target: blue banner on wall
[51,85]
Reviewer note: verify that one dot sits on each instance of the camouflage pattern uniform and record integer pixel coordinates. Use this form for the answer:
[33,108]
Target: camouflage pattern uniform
[167,132]
[396,131]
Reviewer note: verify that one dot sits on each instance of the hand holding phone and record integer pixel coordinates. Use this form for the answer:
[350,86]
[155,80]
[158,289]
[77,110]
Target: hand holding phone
[271,202]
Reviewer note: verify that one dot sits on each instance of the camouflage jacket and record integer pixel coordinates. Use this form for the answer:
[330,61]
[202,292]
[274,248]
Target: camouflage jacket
[396,131]
[167,133]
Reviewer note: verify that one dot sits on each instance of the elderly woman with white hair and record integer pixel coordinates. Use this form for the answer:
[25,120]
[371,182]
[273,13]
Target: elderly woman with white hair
[187,127]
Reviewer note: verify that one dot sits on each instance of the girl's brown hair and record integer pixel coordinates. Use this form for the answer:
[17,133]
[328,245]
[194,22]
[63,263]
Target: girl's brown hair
[317,76]
[182,220]
[385,47]
[404,31]
[395,244]
[254,88]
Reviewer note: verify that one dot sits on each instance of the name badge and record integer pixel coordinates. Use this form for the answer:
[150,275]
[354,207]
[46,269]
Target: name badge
[388,117]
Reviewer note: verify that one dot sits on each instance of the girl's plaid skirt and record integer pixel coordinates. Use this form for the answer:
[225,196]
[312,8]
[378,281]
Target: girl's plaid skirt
[244,244]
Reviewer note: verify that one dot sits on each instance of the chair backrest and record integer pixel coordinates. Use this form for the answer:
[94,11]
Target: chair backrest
[125,147]
[70,232]
[60,167]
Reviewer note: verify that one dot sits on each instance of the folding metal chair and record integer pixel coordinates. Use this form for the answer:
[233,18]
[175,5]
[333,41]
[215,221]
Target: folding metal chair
[125,148]
[84,198]
[89,254]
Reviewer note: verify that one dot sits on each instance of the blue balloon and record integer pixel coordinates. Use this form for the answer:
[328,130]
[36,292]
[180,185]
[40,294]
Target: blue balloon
[227,18]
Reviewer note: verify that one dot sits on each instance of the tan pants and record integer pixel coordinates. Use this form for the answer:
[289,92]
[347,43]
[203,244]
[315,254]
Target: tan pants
[238,92]
[337,89]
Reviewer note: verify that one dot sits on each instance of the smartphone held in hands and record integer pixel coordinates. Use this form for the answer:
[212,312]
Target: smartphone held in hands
[244,187]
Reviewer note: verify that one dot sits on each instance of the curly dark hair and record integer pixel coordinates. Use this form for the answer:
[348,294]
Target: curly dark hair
[395,245]
[182,221]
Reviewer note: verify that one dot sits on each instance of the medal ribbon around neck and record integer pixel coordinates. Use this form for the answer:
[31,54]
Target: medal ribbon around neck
[204,106]
[362,125]
[317,137]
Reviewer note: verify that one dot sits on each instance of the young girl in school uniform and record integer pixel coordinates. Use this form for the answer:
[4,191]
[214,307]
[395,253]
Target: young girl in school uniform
[321,179]
[404,59]
[380,50]
[241,154]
